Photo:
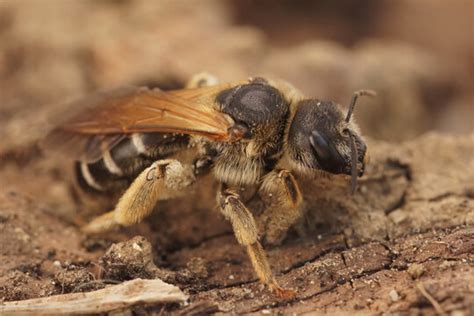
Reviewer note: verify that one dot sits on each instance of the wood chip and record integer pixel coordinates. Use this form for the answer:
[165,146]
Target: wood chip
[114,297]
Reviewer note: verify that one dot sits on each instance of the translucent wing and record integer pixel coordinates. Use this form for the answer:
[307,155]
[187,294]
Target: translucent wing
[106,118]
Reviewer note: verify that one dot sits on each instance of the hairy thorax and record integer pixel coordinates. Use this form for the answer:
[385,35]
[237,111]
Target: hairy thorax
[245,163]
[234,167]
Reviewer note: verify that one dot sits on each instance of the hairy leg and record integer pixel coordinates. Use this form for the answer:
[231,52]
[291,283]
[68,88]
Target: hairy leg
[163,180]
[282,197]
[246,233]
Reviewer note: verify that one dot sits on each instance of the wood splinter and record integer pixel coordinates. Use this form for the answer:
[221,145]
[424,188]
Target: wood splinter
[114,297]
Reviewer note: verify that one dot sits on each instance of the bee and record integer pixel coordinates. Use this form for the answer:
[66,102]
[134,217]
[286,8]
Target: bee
[152,145]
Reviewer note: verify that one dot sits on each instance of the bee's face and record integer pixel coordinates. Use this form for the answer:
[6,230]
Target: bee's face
[320,138]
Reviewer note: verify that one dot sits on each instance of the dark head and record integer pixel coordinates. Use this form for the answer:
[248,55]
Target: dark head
[322,137]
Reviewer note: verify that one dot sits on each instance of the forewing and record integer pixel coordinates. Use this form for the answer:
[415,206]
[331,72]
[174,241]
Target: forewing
[108,117]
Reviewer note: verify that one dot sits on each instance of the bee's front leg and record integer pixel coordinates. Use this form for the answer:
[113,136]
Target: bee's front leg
[163,180]
[283,201]
[246,233]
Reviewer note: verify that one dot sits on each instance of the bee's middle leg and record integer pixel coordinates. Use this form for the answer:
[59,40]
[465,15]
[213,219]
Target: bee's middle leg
[246,233]
[282,197]
[163,180]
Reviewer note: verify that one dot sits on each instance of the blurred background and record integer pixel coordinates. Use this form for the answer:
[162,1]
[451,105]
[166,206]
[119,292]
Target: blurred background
[418,55]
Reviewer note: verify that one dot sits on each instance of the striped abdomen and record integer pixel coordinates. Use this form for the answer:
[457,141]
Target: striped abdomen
[119,166]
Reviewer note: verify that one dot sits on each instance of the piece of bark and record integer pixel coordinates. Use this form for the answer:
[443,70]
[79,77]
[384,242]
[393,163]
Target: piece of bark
[114,297]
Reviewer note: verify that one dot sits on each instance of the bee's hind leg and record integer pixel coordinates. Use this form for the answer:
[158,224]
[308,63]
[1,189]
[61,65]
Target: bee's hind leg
[282,197]
[246,233]
[163,180]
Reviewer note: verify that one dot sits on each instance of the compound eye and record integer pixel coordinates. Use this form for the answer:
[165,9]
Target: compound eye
[327,156]
[320,146]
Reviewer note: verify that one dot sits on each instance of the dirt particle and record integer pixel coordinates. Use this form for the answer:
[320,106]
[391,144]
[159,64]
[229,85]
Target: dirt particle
[358,306]
[122,261]
[4,218]
[31,268]
[75,280]
[446,265]
[17,285]
[197,266]
[137,247]
[416,270]
[22,235]
[393,294]
[341,280]
[51,254]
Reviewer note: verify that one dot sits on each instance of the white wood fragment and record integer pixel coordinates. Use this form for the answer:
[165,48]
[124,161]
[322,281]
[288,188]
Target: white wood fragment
[118,296]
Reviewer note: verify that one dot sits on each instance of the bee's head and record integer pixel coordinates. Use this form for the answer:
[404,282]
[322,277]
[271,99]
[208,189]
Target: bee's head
[322,137]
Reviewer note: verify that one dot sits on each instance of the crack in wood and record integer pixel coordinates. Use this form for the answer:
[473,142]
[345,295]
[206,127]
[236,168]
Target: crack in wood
[389,265]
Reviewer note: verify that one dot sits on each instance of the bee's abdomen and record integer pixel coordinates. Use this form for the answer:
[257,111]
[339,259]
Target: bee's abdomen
[120,165]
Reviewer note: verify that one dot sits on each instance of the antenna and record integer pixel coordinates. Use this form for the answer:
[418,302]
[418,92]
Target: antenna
[354,157]
[355,96]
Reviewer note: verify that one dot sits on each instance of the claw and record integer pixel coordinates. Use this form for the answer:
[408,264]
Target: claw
[285,294]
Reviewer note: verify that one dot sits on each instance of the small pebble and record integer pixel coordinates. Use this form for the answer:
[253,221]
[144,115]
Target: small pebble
[136,246]
[416,270]
[231,277]
[57,263]
[394,295]
[266,311]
